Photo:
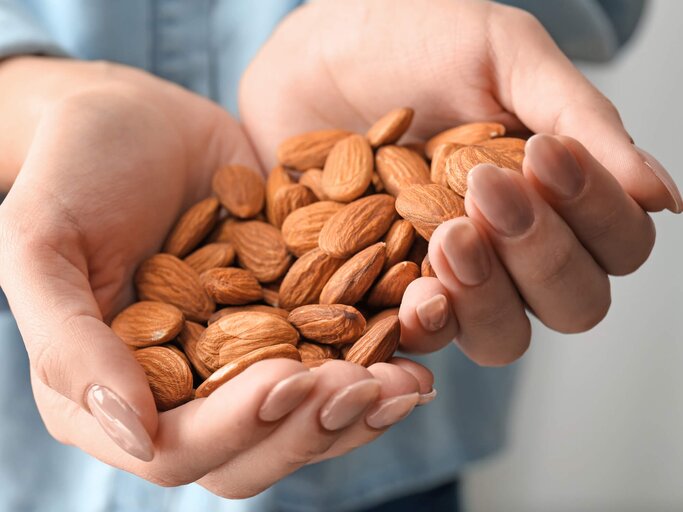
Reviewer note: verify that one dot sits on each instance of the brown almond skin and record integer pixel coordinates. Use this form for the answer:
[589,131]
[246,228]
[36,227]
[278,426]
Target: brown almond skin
[306,278]
[328,323]
[399,240]
[504,144]
[165,278]
[465,134]
[192,227]
[378,344]
[302,227]
[231,286]
[288,199]
[379,316]
[460,163]
[241,190]
[313,179]
[390,287]
[390,127]
[355,277]
[262,308]
[438,165]
[357,225]
[148,323]
[348,169]
[271,294]
[428,206]
[426,269]
[211,256]
[237,366]
[188,339]
[278,178]
[399,168]
[310,149]
[169,376]
[314,352]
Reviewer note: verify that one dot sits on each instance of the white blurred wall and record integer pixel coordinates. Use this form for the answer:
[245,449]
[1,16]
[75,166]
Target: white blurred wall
[597,424]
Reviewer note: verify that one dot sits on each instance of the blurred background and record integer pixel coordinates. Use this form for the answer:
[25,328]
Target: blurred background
[597,421]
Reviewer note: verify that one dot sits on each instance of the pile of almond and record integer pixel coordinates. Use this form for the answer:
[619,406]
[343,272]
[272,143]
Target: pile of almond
[310,265]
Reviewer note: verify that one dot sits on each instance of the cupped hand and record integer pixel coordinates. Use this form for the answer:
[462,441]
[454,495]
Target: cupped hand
[111,157]
[540,243]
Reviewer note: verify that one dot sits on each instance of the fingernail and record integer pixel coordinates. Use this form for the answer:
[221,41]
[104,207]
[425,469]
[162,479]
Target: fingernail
[663,175]
[286,395]
[433,313]
[348,404]
[392,410]
[500,200]
[466,253]
[120,422]
[425,398]
[554,166]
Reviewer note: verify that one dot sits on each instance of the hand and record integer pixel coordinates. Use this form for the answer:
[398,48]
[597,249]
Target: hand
[111,157]
[547,240]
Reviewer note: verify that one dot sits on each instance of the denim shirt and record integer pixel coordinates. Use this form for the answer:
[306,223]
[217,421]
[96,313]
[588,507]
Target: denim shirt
[205,45]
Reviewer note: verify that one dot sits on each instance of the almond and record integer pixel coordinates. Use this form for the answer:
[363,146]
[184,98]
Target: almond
[278,178]
[188,339]
[192,227]
[378,344]
[390,127]
[309,149]
[348,169]
[211,256]
[355,277]
[459,164]
[165,278]
[237,366]
[302,227]
[315,363]
[438,166]
[261,308]
[426,269]
[313,179]
[328,323]
[169,376]
[314,351]
[240,189]
[148,323]
[306,278]
[288,199]
[504,144]
[427,206]
[357,225]
[418,251]
[399,240]
[377,183]
[233,286]
[465,134]
[380,316]
[390,287]
[400,167]
[271,294]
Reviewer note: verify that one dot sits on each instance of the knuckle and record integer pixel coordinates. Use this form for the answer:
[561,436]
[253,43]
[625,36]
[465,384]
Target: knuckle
[48,365]
[556,263]
[302,454]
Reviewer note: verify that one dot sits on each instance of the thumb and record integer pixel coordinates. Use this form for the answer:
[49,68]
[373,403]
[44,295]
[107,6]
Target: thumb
[549,94]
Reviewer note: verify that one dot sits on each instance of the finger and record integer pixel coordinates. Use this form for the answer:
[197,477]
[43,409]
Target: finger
[532,67]
[606,220]
[494,328]
[558,278]
[427,321]
[424,376]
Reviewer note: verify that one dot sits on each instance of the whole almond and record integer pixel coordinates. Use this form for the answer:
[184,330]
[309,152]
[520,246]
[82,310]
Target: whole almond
[438,165]
[192,227]
[357,225]
[399,240]
[211,256]
[400,167]
[148,323]
[378,344]
[426,269]
[309,149]
[390,287]
[313,179]
[262,308]
[315,351]
[302,227]
[232,286]
[306,278]
[459,164]
[390,127]
[385,313]
[288,199]
[169,376]
[165,278]
[237,366]
[348,169]
[465,134]
[315,363]
[278,178]
[240,189]
[328,323]
[271,294]
[427,206]
[188,339]
[355,277]
[504,144]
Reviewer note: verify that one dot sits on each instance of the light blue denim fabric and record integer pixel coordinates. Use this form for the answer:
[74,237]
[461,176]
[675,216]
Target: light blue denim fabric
[204,45]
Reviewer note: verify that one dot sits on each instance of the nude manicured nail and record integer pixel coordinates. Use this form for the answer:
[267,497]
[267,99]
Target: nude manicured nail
[554,166]
[425,398]
[466,253]
[392,410]
[501,200]
[662,175]
[433,313]
[348,404]
[120,422]
[286,395]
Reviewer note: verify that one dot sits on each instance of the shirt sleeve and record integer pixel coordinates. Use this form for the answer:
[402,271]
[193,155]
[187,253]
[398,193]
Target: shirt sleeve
[21,34]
